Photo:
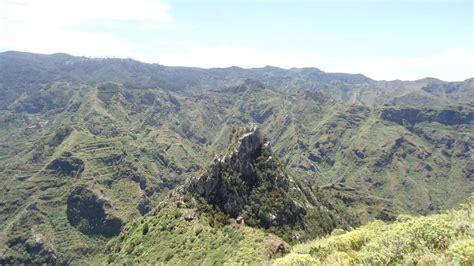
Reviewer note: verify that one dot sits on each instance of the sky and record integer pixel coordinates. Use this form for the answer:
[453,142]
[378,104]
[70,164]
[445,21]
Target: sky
[383,40]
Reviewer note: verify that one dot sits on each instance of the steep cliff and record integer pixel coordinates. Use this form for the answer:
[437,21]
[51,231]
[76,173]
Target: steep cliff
[230,178]
[248,181]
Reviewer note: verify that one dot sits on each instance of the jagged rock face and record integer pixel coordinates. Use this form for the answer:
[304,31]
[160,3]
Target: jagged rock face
[248,148]
[248,181]
[230,177]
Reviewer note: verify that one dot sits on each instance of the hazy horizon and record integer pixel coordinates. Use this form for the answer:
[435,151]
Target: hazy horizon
[285,68]
[384,40]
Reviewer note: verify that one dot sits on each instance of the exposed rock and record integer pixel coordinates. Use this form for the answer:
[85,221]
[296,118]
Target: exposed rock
[38,247]
[38,239]
[38,250]
[189,216]
[230,177]
[277,246]
[248,148]
[144,205]
[90,214]
[248,182]
[240,220]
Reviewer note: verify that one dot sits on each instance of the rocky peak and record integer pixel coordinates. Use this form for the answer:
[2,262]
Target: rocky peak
[247,181]
[246,146]
[251,185]
[231,176]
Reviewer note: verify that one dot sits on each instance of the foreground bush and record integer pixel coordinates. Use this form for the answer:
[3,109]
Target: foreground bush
[433,240]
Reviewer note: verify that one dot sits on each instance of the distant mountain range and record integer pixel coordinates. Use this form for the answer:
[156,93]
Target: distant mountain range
[355,88]
[88,146]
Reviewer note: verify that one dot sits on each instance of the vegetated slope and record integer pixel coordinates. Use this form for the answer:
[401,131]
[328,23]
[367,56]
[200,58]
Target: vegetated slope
[421,158]
[69,139]
[23,71]
[230,213]
[432,240]
[124,144]
[89,142]
[138,143]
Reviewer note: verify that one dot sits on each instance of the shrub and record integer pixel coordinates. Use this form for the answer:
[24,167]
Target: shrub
[462,251]
[433,240]
[145,229]
[296,260]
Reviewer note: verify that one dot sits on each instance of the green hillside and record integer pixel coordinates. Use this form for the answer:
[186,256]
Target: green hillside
[442,239]
[90,145]
[243,209]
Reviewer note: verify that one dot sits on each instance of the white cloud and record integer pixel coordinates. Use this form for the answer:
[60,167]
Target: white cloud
[61,13]
[50,26]
[76,43]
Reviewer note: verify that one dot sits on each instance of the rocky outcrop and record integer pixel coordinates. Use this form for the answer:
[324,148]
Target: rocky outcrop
[144,205]
[231,176]
[37,252]
[244,191]
[412,116]
[90,214]
[249,183]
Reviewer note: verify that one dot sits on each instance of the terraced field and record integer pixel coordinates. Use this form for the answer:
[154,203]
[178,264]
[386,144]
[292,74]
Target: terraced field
[120,138]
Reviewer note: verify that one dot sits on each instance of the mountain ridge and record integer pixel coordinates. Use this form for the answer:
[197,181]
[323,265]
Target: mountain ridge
[128,137]
[266,67]
[36,70]
[270,67]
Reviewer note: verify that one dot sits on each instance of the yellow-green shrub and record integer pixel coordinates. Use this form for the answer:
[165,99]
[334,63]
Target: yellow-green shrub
[296,260]
[441,239]
[462,251]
